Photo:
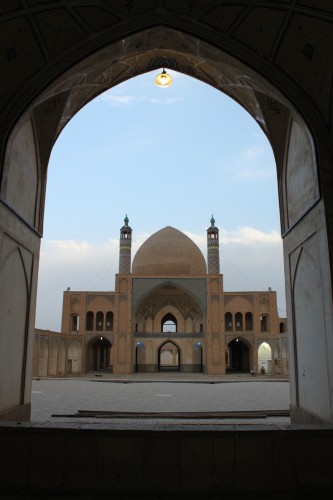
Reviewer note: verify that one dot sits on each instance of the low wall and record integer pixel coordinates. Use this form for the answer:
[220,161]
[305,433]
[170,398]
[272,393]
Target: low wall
[183,368]
[163,461]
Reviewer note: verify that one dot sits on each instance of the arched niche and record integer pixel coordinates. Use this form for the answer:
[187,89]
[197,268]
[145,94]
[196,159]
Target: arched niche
[239,356]
[169,357]
[98,354]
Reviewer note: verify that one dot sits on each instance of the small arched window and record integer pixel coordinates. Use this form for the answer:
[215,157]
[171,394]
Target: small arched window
[89,321]
[75,322]
[228,322]
[264,322]
[282,327]
[248,322]
[99,321]
[109,321]
[239,322]
[169,323]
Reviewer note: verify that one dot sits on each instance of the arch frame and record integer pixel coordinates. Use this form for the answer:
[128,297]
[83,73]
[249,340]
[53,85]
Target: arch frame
[159,349]
[316,218]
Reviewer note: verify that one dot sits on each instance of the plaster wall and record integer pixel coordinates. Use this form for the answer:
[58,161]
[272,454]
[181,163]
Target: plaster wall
[19,254]
[311,330]
[21,172]
[301,181]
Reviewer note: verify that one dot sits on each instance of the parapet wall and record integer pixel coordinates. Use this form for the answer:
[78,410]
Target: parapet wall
[163,461]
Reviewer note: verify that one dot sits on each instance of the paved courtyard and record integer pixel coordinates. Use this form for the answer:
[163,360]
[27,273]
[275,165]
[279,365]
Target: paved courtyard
[158,395]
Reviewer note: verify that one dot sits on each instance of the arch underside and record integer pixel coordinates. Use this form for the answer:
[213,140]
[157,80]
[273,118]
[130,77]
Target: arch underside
[166,296]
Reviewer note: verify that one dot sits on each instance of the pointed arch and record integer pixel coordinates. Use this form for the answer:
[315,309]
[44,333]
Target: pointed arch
[99,354]
[14,325]
[264,358]
[169,323]
[172,312]
[74,355]
[239,355]
[169,356]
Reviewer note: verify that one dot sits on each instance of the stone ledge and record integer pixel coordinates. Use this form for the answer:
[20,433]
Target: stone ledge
[166,460]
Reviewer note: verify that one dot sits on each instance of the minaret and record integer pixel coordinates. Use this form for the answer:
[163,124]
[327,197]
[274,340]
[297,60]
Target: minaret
[213,254]
[125,248]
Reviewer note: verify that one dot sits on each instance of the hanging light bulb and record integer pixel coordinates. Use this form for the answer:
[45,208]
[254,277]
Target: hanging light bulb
[163,79]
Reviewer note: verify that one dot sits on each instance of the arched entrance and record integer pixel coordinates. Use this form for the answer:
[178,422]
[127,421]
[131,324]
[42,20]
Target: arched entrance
[230,52]
[140,357]
[239,356]
[264,358]
[74,354]
[169,357]
[197,357]
[99,355]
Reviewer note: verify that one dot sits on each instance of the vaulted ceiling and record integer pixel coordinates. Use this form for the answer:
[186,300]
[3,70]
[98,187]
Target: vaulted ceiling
[270,56]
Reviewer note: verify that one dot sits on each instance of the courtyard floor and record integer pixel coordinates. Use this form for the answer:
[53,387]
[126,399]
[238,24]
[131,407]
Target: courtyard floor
[144,399]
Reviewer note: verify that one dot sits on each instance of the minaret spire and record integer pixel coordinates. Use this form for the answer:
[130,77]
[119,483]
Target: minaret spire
[125,246]
[213,251]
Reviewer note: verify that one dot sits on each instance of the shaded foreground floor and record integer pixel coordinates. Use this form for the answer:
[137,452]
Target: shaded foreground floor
[157,459]
[159,394]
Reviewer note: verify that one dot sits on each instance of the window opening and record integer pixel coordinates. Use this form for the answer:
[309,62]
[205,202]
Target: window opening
[75,322]
[109,321]
[89,321]
[99,321]
[169,324]
[239,322]
[264,322]
[248,322]
[228,322]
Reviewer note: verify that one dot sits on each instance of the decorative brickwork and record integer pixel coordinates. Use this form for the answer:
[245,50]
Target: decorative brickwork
[213,251]
[196,287]
[154,303]
[228,298]
[213,261]
[124,260]
[125,245]
[94,296]
[167,335]
[243,336]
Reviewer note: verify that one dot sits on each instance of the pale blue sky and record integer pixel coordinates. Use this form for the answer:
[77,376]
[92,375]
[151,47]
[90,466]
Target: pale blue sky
[170,156]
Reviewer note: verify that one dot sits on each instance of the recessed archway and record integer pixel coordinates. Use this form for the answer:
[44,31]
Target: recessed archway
[278,107]
[99,355]
[239,356]
[264,358]
[169,357]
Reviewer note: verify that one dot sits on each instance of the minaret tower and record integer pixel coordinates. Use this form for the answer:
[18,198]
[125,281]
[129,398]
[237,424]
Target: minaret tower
[125,248]
[213,254]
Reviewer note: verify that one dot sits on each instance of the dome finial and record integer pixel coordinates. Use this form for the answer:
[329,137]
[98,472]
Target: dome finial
[212,221]
[126,220]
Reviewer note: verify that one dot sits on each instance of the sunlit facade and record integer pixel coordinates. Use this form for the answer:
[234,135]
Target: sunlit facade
[168,313]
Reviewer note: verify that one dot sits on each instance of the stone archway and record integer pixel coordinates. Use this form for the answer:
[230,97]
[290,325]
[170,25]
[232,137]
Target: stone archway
[99,355]
[239,356]
[266,59]
[168,357]
[264,358]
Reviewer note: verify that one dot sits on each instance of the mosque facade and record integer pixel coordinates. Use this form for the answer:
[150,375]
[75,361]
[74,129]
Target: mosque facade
[169,313]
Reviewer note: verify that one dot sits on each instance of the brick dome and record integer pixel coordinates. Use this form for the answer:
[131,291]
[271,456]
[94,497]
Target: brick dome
[169,252]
